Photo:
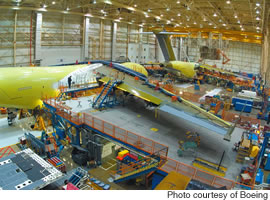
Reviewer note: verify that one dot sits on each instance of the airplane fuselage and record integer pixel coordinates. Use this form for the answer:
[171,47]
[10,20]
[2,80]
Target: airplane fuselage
[25,87]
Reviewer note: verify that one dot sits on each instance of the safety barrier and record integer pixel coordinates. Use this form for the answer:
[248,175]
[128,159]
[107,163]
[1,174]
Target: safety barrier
[205,177]
[125,136]
[5,151]
[111,130]
[146,145]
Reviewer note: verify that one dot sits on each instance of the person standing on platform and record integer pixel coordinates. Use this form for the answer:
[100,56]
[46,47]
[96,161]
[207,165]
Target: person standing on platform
[69,82]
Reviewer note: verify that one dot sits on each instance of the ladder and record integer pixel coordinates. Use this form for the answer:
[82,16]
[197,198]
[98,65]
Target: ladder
[242,153]
[135,169]
[102,99]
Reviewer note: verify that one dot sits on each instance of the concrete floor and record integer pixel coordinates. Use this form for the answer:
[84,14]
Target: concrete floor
[140,121]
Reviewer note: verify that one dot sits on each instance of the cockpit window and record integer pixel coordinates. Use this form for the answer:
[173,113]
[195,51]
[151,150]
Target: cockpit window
[196,66]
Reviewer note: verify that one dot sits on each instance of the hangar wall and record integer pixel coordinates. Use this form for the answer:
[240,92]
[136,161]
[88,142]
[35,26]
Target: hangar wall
[62,38]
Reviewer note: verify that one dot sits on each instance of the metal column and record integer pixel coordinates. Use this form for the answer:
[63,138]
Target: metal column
[114,32]
[38,37]
[78,131]
[140,47]
[85,48]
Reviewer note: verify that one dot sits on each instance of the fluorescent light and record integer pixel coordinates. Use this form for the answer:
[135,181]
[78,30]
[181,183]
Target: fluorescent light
[228,2]
[257,28]
[214,14]
[172,19]
[88,15]
[257,18]
[178,14]
[44,6]
[108,2]
[188,8]
[195,23]
[53,2]
[167,9]
[178,2]
[238,22]
[67,8]
[161,15]
[15,8]
[257,4]
[257,12]
[235,16]
[210,24]
[131,8]
[135,5]
[149,10]
[224,25]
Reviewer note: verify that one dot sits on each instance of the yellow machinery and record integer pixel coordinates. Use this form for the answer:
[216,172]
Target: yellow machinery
[173,181]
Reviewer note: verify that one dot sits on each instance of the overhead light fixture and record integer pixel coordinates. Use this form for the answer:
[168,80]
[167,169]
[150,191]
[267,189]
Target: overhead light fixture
[168,22]
[172,19]
[215,27]
[258,32]
[67,9]
[135,5]
[257,28]
[214,14]
[241,26]
[238,22]
[131,8]
[228,2]
[167,9]
[178,14]
[195,23]
[53,2]
[108,2]
[242,29]
[16,8]
[161,15]
[258,4]
[235,16]
[204,19]
[257,12]
[178,2]
[210,24]
[188,8]
[102,11]
[257,18]
[224,25]
[180,23]
[45,6]
[94,2]
[146,16]
[149,10]
[220,20]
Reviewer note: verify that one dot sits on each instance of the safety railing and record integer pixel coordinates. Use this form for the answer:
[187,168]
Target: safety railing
[205,177]
[5,151]
[147,145]
[125,136]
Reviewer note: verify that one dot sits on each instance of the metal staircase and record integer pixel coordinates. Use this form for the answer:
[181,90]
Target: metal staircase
[103,100]
[242,153]
[135,169]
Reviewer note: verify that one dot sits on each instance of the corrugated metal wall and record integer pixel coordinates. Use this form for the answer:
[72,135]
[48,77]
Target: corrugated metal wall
[62,38]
